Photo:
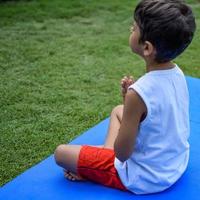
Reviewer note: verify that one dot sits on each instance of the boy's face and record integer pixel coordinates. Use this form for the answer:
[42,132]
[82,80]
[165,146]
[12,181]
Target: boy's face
[134,40]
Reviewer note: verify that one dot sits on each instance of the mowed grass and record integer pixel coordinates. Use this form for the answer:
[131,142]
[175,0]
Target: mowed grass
[60,67]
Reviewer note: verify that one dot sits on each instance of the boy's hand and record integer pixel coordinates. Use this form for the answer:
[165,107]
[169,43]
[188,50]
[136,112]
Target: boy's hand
[126,81]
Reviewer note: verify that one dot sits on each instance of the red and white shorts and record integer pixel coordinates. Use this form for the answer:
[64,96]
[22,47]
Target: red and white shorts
[97,164]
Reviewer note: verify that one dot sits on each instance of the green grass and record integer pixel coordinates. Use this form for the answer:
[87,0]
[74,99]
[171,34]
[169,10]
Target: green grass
[60,67]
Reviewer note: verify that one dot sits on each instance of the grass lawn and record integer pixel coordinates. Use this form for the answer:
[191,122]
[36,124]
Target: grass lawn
[60,67]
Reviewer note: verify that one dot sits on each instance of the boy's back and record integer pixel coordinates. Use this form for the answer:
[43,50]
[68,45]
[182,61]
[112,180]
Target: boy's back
[161,151]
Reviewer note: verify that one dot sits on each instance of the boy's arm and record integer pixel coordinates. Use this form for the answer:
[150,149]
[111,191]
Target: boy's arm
[134,109]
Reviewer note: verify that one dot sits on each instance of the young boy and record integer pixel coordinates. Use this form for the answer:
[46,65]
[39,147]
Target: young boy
[146,149]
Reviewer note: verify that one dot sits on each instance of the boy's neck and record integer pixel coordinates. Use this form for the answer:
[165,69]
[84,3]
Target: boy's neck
[152,66]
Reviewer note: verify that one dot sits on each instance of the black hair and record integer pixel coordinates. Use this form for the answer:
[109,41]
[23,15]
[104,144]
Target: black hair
[168,24]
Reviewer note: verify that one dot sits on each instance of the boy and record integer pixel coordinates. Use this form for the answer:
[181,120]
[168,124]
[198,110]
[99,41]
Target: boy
[146,149]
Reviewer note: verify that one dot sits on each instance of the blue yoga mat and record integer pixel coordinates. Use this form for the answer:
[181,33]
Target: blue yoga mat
[46,181]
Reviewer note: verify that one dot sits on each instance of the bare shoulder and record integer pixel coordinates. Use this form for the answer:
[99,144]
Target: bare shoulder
[133,102]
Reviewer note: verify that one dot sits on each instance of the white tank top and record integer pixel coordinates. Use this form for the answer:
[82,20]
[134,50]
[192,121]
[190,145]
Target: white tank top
[161,150]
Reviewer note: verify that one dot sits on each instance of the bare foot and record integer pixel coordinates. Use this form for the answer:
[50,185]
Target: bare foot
[72,177]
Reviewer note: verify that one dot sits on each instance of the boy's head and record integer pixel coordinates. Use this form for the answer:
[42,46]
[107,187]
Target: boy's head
[169,25]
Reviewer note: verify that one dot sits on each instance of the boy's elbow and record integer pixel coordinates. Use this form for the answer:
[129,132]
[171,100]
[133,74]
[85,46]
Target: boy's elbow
[120,155]
[121,158]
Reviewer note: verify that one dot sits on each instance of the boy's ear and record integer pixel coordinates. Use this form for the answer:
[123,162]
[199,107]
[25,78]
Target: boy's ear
[148,49]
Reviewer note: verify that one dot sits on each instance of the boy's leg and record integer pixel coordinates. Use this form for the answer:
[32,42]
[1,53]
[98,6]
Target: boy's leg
[115,122]
[66,156]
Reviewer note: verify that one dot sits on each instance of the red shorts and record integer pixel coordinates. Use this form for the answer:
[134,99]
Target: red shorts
[97,164]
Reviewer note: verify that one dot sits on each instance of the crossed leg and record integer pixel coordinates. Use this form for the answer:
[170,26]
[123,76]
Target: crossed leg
[66,156]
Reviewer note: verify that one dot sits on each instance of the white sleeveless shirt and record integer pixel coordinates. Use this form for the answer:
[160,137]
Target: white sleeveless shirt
[161,151]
